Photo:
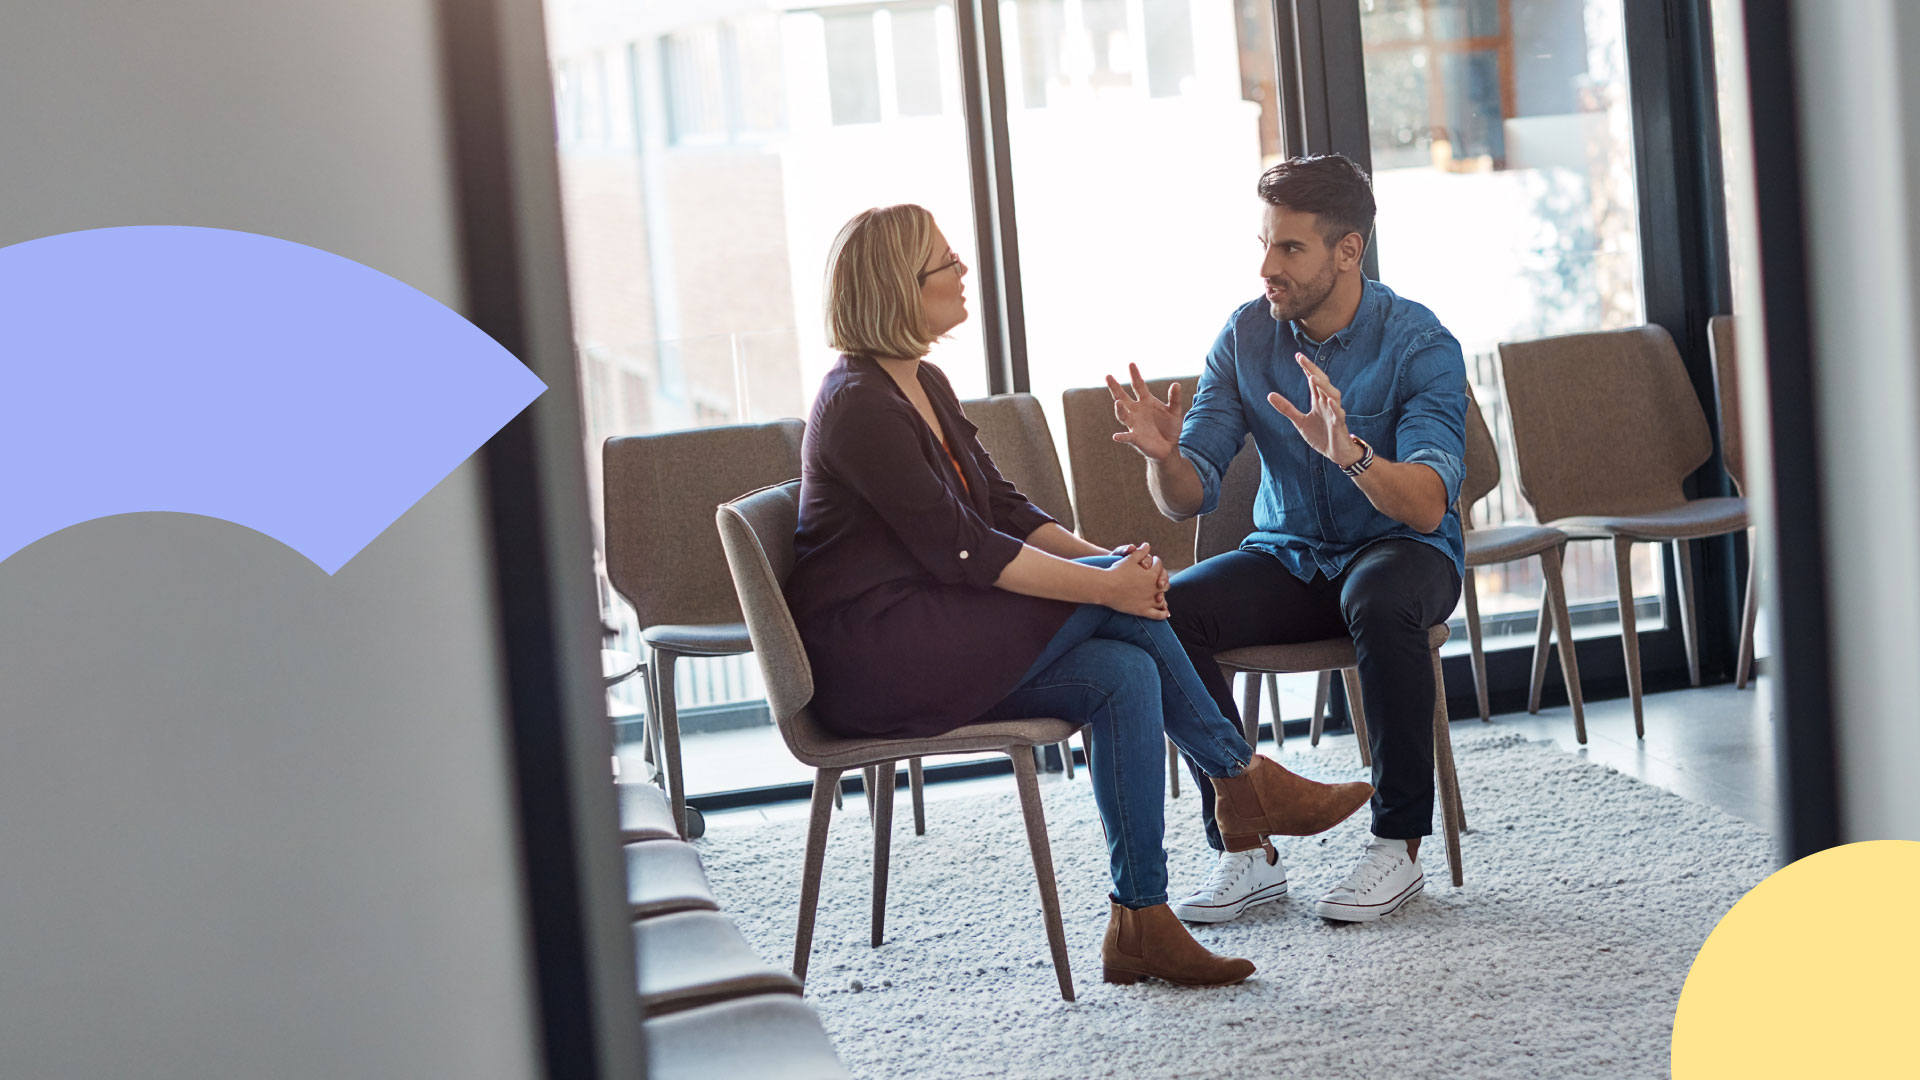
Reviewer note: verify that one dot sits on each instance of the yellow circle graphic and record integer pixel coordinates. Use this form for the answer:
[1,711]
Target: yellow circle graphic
[1815,972]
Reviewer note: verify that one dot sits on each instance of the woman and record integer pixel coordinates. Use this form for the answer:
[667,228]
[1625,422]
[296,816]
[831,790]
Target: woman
[931,594]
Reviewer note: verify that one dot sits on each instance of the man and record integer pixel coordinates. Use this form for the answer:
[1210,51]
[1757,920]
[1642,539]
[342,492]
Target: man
[1356,399]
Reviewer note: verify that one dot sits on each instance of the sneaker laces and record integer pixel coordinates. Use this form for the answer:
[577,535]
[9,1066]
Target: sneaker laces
[1379,862]
[1230,868]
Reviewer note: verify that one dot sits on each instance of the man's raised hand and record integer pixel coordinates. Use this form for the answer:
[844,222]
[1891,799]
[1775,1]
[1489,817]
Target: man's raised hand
[1324,423]
[1152,425]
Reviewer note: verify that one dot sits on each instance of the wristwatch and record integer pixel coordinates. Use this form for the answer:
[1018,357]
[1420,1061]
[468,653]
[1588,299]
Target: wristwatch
[1366,457]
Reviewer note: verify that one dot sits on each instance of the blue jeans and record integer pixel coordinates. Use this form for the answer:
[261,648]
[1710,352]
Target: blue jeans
[1129,680]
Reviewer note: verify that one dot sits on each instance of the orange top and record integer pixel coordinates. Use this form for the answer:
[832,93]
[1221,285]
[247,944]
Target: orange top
[957,470]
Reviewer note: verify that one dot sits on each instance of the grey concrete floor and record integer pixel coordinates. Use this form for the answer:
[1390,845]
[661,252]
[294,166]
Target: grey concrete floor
[1713,745]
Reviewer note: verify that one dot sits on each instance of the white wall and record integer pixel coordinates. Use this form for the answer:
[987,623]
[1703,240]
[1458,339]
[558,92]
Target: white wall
[256,820]
[1860,132]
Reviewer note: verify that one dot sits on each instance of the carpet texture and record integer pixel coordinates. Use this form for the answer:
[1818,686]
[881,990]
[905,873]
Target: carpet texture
[1587,895]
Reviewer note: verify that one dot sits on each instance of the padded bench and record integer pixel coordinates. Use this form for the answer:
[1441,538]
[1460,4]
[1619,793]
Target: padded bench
[769,1037]
[664,877]
[696,958]
[645,814]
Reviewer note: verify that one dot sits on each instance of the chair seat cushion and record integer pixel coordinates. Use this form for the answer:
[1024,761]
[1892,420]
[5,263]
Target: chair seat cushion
[1505,543]
[831,752]
[665,876]
[696,958]
[1688,521]
[770,1037]
[699,639]
[645,814]
[1330,654]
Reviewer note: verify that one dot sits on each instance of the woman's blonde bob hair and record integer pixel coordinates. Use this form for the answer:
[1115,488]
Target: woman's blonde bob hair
[873,287]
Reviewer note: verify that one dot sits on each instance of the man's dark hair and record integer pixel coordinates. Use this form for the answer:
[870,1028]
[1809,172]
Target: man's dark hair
[1330,186]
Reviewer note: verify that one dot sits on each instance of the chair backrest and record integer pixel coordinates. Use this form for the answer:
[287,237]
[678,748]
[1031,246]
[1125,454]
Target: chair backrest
[1603,423]
[1110,479]
[1726,387]
[1013,428]
[662,553]
[1483,461]
[1232,518]
[756,534]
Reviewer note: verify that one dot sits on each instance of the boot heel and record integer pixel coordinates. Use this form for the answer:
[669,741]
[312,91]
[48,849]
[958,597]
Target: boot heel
[1122,978]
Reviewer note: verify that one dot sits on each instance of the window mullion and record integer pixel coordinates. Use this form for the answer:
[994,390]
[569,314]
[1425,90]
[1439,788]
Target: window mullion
[984,98]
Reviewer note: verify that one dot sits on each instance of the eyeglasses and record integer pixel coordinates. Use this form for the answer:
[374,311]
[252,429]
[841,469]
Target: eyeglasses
[952,261]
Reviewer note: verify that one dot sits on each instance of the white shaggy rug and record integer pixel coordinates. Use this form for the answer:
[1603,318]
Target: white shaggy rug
[1587,895]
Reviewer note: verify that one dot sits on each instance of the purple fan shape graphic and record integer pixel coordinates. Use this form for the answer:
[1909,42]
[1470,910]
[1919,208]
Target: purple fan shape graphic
[236,376]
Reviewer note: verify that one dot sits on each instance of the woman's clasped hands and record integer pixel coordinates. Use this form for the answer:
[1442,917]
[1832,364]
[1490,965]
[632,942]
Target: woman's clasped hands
[1137,582]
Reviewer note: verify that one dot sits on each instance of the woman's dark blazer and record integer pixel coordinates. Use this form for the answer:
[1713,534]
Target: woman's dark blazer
[892,586]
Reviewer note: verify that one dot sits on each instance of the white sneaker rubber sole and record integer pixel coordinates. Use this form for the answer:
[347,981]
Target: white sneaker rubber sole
[1339,912]
[1218,913]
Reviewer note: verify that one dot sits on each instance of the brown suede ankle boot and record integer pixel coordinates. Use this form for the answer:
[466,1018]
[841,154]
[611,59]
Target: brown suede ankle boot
[1152,943]
[1269,800]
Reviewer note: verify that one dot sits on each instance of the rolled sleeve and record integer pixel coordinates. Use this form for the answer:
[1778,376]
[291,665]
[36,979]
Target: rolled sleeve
[1216,425]
[1021,518]
[878,453]
[1433,420]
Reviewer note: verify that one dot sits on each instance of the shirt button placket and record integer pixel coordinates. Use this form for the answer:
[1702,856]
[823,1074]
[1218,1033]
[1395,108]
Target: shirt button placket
[1329,523]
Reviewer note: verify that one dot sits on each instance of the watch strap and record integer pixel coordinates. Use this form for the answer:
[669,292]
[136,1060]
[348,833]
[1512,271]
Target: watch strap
[1366,457]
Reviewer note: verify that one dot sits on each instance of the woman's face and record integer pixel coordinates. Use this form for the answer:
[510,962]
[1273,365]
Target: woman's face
[943,299]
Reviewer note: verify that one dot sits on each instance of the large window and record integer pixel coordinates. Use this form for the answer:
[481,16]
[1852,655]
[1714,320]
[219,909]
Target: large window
[1502,144]
[1137,131]
[710,150]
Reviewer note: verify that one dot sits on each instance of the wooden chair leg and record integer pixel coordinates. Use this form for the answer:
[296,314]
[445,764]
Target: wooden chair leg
[669,718]
[650,750]
[882,847]
[824,781]
[1479,651]
[1250,707]
[1749,610]
[839,803]
[1029,786]
[1357,712]
[1273,706]
[1066,756]
[1629,634]
[1453,814]
[1689,617]
[1173,767]
[1542,637]
[917,785]
[870,774]
[1319,722]
[1553,570]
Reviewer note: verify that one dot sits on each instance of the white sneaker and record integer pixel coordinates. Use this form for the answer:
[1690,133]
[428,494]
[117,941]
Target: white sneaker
[1385,879]
[1240,880]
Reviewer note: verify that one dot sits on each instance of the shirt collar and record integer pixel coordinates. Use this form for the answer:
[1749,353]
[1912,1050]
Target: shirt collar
[1369,304]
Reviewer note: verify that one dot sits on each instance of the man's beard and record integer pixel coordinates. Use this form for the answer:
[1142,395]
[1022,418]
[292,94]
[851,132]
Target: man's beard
[1304,299]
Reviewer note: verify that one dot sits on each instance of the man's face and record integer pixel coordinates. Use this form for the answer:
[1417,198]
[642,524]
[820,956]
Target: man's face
[1299,266]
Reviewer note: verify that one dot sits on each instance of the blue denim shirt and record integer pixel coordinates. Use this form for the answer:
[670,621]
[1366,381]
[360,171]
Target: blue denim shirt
[1403,383]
